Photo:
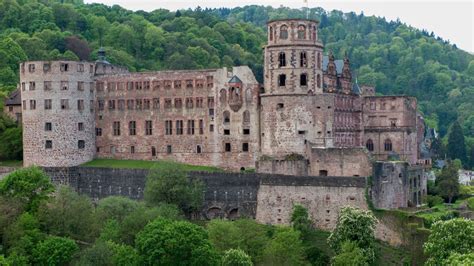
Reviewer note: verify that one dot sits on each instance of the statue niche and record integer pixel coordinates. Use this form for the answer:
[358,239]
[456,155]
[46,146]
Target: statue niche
[235,94]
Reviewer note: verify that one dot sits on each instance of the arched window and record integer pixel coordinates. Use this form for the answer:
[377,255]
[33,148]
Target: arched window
[301,32]
[314,33]
[248,96]
[282,59]
[271,33]
[369,145]
[226,116]
[284,32]
[246,117]
[387,145]
[318,81]
[303,61]
[304,80]
[282,80]
[319,60]
[223,96]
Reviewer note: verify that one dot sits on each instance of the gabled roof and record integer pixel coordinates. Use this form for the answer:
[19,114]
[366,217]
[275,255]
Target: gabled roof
[235,79]
[339,64]
[14,98]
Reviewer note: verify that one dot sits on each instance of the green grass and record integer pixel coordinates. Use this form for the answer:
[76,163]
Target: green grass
[11,163]
[137,164]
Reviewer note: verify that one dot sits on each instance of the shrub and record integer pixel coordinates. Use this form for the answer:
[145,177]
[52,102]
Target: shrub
[433,200]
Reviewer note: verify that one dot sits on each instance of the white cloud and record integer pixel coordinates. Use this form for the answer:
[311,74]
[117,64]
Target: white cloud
[451,20]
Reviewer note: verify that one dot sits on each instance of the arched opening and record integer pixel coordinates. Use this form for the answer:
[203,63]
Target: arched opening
[318,81]
[153,151]
[214,213]
[282,80]
[369,145]
[198,149]
[319,60]
[301,32]
[304,80]
[303,61]
[271,33]
[248,96]
[284,32]
[246,116]
[387,145]
[233,214]
[281,59]
[226,116]
[242,169]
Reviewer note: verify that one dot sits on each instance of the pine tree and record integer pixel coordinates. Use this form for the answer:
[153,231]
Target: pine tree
[471,162]
[456,146]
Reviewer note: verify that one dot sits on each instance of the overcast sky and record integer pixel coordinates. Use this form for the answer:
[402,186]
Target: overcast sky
[451,20]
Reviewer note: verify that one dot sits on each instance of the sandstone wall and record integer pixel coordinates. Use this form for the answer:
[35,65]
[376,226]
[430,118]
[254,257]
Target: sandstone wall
[339,162]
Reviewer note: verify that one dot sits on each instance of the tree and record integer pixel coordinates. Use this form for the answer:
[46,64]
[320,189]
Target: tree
[12,144]
[357,226]
[55,251]
[300,220]
[164,242]
[447,238]
[236,257]
[447,182]
[456,145]
[461,260]
[29,185]
[170,184]
[285,248]
[350,254]
[79,47]
[22,236]
[69,214]
[116,207]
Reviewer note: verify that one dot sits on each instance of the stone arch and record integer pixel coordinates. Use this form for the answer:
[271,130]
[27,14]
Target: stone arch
[233,214]
[387,144]
[369,145]
[214,213]
[301,32]
[226,117]
[248,96]
[283,32]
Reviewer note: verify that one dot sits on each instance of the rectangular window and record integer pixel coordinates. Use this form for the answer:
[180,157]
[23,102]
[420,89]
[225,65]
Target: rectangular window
[210,102]
[91,105]
[245,147]
[116,128]
[168,103]
[282,80]
[148,127]
[156,85]
[121,104]
[32,104]
[146,85]
[228,147]
[179,127]
[189,84]
[190,127]
[211,128]
[146,104]
[177,84]
[246,131]
[47,85]
[201,126]
[169,149]
[32,86]
[100,105]
[130,104]
[48,104]
[111,104]
[189,103]
[46,67]
[48,144]
[98,131]
[80,105]
[80,68]
[31,68]
[211,111]
[80,86]
[24,105]
[81,144]
[210,81]
[226,131]
[64,85]
[23,86]
[199,102]
[178,103]
[168,127]
[48,126]
[132,128]
[110,86]
[156,103]
[132,149]
[138,104]
[80,126]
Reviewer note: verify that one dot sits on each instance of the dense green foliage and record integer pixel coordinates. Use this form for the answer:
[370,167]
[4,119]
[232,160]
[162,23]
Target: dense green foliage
[300,219]
[447,182]
[456,148]
[455,236]
[55,251]
[350,254]
[236,257]
[396,58]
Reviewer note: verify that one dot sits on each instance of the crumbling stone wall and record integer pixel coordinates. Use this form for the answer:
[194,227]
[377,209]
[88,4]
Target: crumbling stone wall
[283,166]
[339,162]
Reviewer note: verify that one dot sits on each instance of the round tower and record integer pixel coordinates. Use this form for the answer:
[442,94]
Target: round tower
[294,107]
[58,114]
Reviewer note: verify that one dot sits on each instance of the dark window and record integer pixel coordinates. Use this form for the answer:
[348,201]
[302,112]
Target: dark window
[303,80]
[81,144]
[198,149]
[132,128]
[80,126]
[280,106]
[323,173]
[64,67]
[201,127]
[132,149]
[190,127]
[245,147]
[153,151]
[284,32]
[211,128]
[318,81]
[303,61]
[246,131]
[48,126]
[169,149]
[32,104]
[282,59]
[116,128]
[98,131]
[226,117]
[148,127]
[47,85]
[388,145]
[211,111]
[301,32]
[179,127]
[48,144]
[226,131]
[282,80]
[168,127]
[48,104]
[369,145]
[227,147]
[80,105]
[80,85]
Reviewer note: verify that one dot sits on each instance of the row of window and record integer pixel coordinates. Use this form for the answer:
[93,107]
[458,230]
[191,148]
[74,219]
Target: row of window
[155,84]
[301,32]
[63,85]
[303,80]
[63,103]
[146,104]
[303,60]
[169,149]
[383,106]
[387,145]
[48,126]
[63,67]
[81,144]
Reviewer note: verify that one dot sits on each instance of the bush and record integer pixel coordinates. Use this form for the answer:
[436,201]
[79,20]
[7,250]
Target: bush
[55,251]
[236,257]
[470,203]
[433,200]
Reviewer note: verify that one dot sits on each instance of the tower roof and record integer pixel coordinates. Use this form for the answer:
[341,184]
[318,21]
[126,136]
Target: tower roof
[235,79]
[339,64]
[14,98]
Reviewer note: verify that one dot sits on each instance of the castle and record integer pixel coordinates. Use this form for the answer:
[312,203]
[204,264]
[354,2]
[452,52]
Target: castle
[309,117]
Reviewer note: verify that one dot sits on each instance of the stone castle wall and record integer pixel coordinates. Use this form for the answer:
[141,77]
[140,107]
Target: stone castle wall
[57,114]
[340,162]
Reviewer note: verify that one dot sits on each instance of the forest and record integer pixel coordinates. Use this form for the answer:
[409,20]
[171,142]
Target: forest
[396,58]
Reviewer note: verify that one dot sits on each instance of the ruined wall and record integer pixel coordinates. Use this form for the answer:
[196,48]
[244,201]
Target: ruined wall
[186,110]
[58,122]
[339,162]
[283,167]
[13,112]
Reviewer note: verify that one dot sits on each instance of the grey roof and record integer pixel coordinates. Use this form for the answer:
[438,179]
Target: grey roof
[235,79]
[339,64]
[356,89]
[14,98]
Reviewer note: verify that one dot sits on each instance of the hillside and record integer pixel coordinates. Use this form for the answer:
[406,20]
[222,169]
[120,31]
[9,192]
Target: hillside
[396,58]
